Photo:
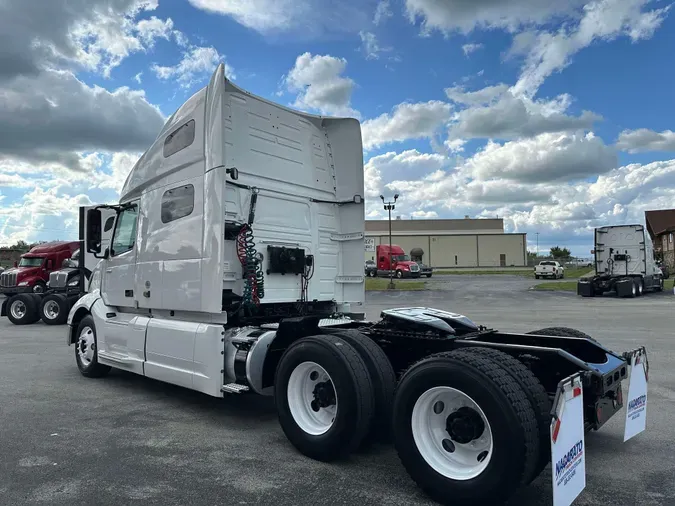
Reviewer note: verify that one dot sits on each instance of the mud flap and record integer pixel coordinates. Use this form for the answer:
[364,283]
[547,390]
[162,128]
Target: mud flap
[636,409]
[568,462]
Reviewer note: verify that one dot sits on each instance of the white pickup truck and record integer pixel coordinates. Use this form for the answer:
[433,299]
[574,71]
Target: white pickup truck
[549,269]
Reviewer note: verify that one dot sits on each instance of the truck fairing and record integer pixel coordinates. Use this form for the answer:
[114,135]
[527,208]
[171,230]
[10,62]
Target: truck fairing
[307,172]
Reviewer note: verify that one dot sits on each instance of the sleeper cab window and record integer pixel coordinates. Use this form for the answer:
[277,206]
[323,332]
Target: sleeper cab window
[179,139]
[178,203]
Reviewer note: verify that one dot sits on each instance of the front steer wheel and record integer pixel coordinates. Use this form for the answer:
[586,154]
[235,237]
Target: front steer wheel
[86,350]
[464,429]
[324,397]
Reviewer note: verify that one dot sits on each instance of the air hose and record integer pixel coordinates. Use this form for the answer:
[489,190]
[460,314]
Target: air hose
[254,280]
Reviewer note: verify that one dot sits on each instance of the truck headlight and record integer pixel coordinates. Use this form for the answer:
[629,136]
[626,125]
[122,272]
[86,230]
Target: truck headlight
[74,282]
[23,283]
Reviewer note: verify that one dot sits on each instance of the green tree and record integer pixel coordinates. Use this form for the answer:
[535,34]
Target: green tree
[558,253]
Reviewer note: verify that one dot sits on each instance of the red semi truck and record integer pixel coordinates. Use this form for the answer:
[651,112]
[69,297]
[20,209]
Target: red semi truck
[32,272]
[401,263]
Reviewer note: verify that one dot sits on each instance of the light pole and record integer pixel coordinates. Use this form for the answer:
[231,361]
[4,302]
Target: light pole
[537,234]
[389,206]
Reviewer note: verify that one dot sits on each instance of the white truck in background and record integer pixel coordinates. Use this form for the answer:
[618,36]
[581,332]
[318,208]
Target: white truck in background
[235,267]
[549,269]
[625,264]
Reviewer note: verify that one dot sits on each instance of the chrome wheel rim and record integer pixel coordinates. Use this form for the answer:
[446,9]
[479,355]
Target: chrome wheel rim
[86,346]
[38,288]
[18,309]
[51,310]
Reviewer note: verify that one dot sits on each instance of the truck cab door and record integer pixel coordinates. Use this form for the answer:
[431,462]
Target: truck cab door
[119,268]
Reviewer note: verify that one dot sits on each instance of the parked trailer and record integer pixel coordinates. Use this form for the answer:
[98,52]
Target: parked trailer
[247,279]
[625,264]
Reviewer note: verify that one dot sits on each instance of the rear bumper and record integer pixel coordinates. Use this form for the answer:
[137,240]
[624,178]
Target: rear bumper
[606,392]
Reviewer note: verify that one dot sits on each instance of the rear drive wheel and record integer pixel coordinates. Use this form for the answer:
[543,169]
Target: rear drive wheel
[464,429]
[382,375]
[54,309]
[536,393]
[324,397]
[640,287]
[22,310]
[86,350]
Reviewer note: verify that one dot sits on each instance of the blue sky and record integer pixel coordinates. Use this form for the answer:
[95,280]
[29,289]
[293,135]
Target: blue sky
[555,116]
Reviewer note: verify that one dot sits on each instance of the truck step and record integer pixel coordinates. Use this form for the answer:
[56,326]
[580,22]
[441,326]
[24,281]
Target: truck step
[234,388]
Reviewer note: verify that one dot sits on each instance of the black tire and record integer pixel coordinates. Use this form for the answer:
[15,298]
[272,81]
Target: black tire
[399,274]
[660,286]
[93,369]
[22,310]
[353,389]
[513,423]
[536,276]
[563,332]
[39,287]
[428,275]
[382,376]
[54,309]
[536,393]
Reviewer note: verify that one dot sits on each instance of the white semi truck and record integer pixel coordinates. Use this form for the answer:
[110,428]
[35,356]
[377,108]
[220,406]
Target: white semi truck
[624,263]
[235,267]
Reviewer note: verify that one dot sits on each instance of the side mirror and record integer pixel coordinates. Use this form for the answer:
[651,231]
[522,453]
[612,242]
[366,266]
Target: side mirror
[93,242]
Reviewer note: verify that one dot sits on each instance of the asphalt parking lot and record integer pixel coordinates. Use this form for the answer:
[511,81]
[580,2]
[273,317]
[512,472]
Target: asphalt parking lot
[68,440]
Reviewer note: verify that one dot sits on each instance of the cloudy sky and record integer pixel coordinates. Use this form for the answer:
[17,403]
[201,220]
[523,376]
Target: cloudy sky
[556,116]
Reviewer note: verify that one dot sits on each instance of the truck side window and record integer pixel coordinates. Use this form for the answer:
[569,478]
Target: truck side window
[179,139]
[124,236]
[109,223]
[178,203]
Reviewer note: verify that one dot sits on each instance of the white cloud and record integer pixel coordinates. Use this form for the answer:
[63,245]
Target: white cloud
[50,117]
[382,12]
[370,46]
[471,48]
[464,16]
[563,212]
[154,28]
[493,112]
[137,77]
[455,145]
[478,97]
[320,84]
[544,158]
[110,37]
[424,215]
[198,63]
[643,139]
[260,15]
[406,121]
[307,17]
[602,20]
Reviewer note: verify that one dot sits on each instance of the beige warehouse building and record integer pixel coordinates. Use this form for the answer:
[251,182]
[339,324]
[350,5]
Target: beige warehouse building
[451,243]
